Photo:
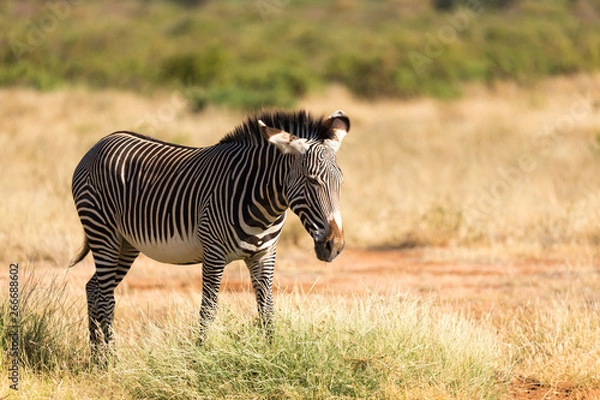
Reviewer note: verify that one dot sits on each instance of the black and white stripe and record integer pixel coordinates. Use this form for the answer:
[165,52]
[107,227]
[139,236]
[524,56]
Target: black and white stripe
[211,205]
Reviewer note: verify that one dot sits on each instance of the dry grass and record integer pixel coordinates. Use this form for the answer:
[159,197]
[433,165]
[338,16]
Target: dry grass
[325,346]
[504,172]
[552,342]
[477,172]
[504,169]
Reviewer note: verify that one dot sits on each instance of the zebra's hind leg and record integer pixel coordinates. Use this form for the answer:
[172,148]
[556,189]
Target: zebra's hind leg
[212,272]
[101,300]
[127,256]
[261,267]
[91,290]
[101,304]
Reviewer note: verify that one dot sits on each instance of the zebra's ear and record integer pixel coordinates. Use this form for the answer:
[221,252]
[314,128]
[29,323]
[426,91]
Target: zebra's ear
[285,142]
[336,127]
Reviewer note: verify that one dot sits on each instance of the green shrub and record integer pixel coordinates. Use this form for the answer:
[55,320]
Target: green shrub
[274,58]
[194,68]
[246,98]
[365,75]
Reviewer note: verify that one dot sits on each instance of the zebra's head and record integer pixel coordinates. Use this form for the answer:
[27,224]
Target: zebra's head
[314,181]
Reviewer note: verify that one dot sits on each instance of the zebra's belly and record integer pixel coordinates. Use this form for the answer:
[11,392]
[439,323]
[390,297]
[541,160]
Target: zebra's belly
[176,250]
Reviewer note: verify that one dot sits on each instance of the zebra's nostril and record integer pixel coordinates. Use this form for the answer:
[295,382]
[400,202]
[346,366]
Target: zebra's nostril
[328,250]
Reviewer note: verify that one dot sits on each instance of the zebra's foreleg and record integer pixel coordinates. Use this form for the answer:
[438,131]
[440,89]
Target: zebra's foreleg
[211,283]
[261,272]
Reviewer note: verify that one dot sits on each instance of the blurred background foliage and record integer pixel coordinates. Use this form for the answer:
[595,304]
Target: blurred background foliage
[250,54]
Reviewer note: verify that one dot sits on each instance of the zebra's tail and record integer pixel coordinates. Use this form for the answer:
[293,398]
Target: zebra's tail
[85,249]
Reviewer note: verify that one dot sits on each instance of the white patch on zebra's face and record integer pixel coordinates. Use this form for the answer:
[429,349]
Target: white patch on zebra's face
[337,217]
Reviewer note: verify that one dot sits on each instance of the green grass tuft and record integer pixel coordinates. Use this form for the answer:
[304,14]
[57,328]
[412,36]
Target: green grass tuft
[322,348]
[48,326]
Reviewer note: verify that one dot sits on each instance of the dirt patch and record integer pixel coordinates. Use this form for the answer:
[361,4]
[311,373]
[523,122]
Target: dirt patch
[523,388]
[475,285]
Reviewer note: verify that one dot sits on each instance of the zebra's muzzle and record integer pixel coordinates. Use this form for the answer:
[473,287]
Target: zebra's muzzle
[327,250]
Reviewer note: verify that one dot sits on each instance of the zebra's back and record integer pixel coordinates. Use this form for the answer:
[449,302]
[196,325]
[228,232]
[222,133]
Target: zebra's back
[151,191]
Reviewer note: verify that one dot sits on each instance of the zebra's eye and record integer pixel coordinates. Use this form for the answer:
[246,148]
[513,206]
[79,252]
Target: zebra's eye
[312,180]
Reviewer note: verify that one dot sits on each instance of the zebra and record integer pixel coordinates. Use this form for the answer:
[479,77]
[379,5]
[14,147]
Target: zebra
[210,205]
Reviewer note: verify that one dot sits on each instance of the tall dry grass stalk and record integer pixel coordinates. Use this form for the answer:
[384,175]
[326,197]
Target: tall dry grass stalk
[505,168]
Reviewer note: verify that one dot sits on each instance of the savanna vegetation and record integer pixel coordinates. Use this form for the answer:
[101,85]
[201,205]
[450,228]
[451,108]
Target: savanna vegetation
[510,172]
[475,136]
[378,346]
[497,176]
[322,348]
[272,52]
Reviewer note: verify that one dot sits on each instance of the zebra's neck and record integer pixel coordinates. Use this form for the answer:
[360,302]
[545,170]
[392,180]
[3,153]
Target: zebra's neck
[257,191]
[259,188]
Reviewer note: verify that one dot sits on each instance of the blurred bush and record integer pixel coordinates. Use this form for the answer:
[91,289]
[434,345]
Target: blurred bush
[194,68]
[251,55]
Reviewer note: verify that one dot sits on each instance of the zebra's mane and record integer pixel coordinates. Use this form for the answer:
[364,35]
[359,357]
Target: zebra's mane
[299,123]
